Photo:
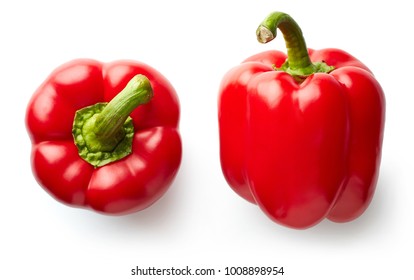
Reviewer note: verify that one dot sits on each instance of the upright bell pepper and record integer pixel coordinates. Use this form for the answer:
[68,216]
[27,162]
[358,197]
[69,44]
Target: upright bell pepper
[301,135]
[116,157]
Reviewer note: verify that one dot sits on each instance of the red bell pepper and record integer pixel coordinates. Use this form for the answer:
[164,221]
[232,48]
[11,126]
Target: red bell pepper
[117,157]
[301,135]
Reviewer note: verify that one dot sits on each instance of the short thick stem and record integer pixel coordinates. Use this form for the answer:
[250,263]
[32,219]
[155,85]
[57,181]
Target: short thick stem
[103,132]
[106,129]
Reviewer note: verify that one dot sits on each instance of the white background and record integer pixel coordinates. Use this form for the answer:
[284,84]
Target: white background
[200,222]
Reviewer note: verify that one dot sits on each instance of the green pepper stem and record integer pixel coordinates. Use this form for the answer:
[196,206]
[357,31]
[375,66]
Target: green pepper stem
[298,62]
[105,130]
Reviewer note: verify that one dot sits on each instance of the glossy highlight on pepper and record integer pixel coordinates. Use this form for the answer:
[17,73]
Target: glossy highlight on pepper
[105,135]
[301,134]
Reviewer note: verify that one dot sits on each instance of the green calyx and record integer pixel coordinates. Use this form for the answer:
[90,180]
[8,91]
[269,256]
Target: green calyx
[298,63]
[103,132]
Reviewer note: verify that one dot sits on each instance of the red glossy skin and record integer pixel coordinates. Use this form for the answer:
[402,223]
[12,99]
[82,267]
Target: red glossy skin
[127,185]
[302,152]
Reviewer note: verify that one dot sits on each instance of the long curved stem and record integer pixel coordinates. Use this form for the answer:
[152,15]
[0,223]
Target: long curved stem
[298,62]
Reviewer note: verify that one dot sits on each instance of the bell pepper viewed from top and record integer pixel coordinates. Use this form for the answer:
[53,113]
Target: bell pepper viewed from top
[301,134]
[117,157]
